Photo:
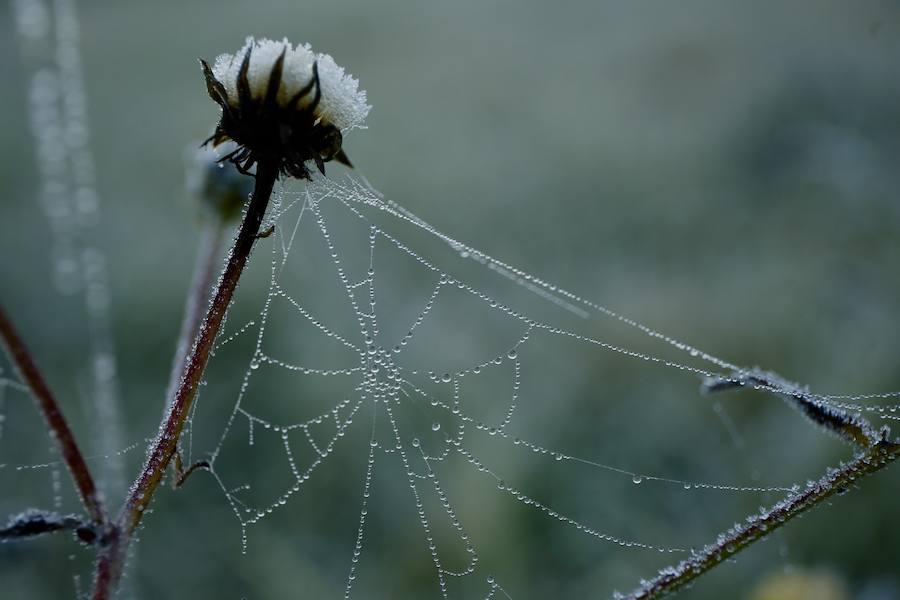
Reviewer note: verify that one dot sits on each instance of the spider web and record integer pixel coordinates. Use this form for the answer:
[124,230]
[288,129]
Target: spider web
[394,389]
[348,366]
[427,392]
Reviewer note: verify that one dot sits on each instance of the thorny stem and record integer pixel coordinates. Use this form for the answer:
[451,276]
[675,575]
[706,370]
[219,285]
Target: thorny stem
[110,562]
[56,422]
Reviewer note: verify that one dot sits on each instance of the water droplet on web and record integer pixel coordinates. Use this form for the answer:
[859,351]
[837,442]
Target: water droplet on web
[512,354]
[435,426]
[636,479]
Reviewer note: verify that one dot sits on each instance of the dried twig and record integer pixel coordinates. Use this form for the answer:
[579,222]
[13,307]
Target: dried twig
[875,451]
[758,526]
[34,523]
[56,422]
[848,426]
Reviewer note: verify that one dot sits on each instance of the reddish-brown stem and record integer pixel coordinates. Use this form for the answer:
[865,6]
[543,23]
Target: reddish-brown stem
[109,564]
[56,422]
[198,296]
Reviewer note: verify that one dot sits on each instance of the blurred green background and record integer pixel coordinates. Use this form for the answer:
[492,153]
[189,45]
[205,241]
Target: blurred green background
[725,172]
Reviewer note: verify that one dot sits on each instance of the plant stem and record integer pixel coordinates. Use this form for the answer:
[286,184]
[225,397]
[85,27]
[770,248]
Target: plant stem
[852,428]
[56,422]
[834,481]
[109,564]
[204,271]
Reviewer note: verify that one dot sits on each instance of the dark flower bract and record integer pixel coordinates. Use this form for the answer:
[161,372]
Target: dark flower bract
[284,105]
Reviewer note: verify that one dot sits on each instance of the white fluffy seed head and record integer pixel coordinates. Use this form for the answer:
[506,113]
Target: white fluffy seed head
[343,103]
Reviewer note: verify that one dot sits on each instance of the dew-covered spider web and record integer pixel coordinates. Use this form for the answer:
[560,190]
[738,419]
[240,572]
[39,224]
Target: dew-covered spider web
[391,413]
[434,408]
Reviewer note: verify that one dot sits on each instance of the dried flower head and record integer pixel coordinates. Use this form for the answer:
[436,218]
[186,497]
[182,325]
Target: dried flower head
[283,104]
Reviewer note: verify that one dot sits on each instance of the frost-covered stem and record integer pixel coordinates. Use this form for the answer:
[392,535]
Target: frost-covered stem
[56,422]
[109,565]
[852,428]
[757,527]
[204,273]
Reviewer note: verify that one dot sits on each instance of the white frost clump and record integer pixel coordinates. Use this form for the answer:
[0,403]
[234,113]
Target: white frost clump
[343,103]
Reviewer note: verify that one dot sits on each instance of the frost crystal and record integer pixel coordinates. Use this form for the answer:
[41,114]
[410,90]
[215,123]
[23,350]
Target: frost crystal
[342,104]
